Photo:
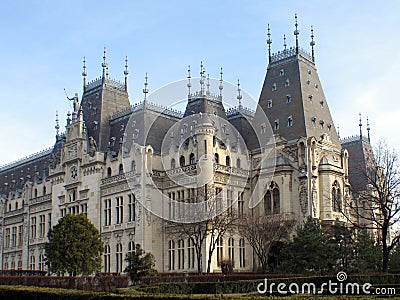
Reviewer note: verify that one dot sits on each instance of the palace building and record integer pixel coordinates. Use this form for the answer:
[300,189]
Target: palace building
[132,193]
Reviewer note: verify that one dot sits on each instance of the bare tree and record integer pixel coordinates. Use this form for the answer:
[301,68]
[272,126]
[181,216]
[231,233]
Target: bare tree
[378,207]
[263,231]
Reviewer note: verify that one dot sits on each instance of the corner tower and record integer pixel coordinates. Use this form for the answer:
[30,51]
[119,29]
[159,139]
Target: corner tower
[102,98]
[292,96]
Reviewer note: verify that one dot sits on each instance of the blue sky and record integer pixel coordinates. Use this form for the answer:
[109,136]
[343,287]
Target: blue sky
[43,43]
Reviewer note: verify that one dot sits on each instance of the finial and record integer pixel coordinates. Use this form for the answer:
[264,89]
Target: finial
[239,96]
[57,127]
[84,74]
[126,72]
[221,87]
[68,118]
[284,42]
[202,71]
[312,43]
[208,84]
[368,129]
[104,64]
[269,42]
[296,32]
[107,72]
[189,85]
[338,131]
[146,84]
[360,124]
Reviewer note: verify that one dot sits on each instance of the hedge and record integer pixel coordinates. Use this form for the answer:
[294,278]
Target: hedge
[250,286]
[35,293]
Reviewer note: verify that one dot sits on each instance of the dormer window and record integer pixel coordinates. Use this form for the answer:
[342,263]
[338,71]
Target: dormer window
[310,97]
[287,82]
[308,82]
[329,127]
[269,103]
[322,103]
[316,86]
[322,123]
[276,124]
[263,128]
[281,72]
[288,99]
[274,87]
[314,121]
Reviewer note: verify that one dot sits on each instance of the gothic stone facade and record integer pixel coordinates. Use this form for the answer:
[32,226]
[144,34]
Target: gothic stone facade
[87,172]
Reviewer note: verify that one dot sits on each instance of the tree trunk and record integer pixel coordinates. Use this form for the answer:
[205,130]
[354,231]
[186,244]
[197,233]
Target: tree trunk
[385,251]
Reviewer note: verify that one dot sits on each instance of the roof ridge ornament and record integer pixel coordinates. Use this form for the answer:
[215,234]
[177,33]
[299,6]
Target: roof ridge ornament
[202,71]
[360,124]
[312,44]
[296,33]
[126,73]
[189,84]
[221,87]
[84,73]
[269,42]
[239,96]
[145,90]
[104,64]
[284,43]
[368,129]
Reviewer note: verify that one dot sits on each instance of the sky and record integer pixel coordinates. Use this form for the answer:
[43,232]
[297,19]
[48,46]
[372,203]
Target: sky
[44,42]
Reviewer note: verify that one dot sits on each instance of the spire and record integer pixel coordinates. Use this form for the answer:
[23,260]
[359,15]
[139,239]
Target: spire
[189,85]
[284,42]
[269,42]
[221,87]
[368,129]
[360,124]
[145,90]
[126,72]
[312,44]
[104,64]
[84,74]
[57,127]
[239,96]
[296,33]
[202,71]
[208,84]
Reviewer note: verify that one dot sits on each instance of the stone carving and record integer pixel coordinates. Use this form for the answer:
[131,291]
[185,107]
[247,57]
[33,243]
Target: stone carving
[303,197]
[92,146]
[314,198]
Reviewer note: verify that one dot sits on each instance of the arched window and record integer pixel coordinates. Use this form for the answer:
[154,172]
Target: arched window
[131,247]
[109,173]
[182,161]
[121,169]
[228,161]
[118,256]
[181,254]
[238,163]
[336,197]
[35,193]
[220,250]
[272,202]
[231,250]
[107,259]
[191,159]
[44,190]
[216,158]
[171,255]
[133,166]
[191,253]
[41,262]
[173,163]
[32,263]
[242,253]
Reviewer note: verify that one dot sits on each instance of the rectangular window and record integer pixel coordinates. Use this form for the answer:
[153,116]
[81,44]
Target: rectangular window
[131,208]
[20,234]
[42,222]
[119,210]
[181,254]
[7,239]
[218,198]
[191,253]
[220,250]
[49,221]
[240,205]
[276,124]
[107,212]
[269,103]
[14,236]
[33,227]
[288,99]
[229,202]
[290,121]
[242,257]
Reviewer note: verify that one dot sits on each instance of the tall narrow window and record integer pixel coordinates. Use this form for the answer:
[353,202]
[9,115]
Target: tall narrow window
[272,200]
[181,254]
[41,262]
[131,246]
[277,204]
[231,250]
[20,234]
[42,223]
[7,239]
[120,169]
[229,202]
[220,250]
[182,161]
[267,203]
[228,161]
[32,263]
[33,227]
[240,205]
[238,163]
[290,121]
[191,254]
[218,198]
[118,256]
[133,166]
[242,253]
[119,209]
[173,163]
[107,259]
[171,255]
[109,172]
[276,124]
[288,98]
[216,158]
[131,208]
[107,212]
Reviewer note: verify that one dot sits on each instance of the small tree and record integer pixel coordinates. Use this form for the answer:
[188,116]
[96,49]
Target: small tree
[263,231]
[367,254]
[74,246]
[310,250]
[140,263]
